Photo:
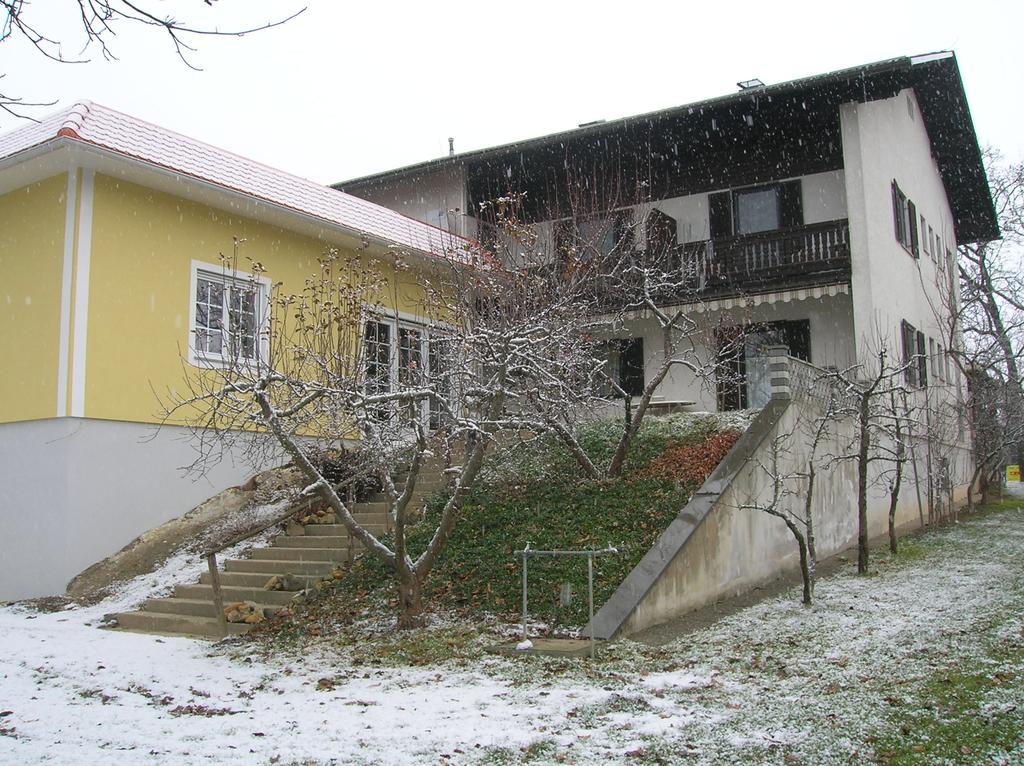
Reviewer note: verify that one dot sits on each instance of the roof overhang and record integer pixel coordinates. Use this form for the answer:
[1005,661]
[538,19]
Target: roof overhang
[934,77]
[62,153]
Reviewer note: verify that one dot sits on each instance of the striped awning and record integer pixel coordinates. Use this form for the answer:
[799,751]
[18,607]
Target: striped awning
[778,296]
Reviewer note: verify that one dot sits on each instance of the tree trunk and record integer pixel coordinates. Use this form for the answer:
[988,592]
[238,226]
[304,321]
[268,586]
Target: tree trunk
[632,426]
[862,484]
[893,542]
[805,573]
[894,492]
[410,603]
[805,567]
[572,444]
[812,555]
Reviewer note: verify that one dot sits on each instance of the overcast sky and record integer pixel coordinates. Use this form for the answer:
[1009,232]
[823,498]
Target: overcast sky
[350,88]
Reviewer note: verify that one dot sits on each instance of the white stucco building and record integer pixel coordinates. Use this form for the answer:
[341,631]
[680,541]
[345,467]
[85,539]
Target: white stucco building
[824,212]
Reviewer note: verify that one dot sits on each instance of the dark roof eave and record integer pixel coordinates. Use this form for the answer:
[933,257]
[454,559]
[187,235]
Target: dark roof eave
[951,131]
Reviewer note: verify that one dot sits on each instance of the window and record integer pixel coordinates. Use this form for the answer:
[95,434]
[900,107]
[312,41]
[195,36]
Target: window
[660,233]
[756,209]
[744,380]
[597,233]
[377,351]
[400,354]
[625,365]
[229,316]
[926,245]
[933,358]
[905,215]
[915,355]
[439,356]
[410,362]
[942,362]
[595,237]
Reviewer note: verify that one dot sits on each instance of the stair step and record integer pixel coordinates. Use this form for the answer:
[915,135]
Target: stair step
[305,553]
[195,607]
[378,498]
[432,480]
[232,593]
[257,579]
[369,513]
[155,622]
[279,567]
[333,530]
[369,509]
[312,541]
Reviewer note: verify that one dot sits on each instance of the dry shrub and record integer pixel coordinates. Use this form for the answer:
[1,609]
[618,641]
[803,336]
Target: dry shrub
[691,462]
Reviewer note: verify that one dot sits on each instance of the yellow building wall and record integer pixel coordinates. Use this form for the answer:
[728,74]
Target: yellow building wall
[143,245]
[32,222]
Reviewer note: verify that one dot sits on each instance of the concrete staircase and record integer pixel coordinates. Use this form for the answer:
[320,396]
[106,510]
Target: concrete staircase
[308,554]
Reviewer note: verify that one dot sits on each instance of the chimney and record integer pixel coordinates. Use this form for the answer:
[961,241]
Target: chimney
[451,146]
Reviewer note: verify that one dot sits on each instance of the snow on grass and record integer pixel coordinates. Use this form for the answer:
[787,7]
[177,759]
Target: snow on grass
[775,683]
[80,695]
[185,565]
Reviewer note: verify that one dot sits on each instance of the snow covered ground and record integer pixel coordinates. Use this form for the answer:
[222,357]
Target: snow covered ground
[775,683]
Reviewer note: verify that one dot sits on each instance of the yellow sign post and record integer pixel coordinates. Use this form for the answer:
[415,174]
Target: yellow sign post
[1013,473]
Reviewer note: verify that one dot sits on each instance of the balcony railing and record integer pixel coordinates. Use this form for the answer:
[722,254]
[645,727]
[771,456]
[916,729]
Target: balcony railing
[780,256]
[800,256]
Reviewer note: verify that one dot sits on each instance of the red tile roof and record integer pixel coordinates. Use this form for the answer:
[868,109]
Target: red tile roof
[119,133]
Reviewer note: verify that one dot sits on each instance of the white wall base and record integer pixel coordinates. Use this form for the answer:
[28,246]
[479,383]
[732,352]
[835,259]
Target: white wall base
[75,490]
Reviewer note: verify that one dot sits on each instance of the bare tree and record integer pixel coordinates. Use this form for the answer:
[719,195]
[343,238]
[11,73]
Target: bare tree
[792,493]
[896,421]
[991,308]
[592,259]
[328,375]
[867,400]
[97,23]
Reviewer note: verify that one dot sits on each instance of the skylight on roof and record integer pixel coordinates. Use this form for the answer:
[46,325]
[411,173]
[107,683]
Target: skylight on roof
[924,58]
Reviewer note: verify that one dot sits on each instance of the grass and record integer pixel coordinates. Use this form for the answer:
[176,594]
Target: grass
[962,712]
[957,720]
[920,665]
[535,495]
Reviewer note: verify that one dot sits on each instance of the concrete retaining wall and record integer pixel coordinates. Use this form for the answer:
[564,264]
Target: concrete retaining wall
[719,547]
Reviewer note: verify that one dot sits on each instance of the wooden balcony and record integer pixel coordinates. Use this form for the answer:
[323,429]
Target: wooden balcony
[803,256]
[798,256]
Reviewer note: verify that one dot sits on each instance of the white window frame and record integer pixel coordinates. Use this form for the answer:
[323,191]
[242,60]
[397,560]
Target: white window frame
[398,321]
[228,278]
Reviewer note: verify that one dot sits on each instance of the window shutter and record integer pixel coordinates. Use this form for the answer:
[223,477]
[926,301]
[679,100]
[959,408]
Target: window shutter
[897,216]
[720,210]
[631,366]
[914,244]
[907,338]
[660,232]
[791,205]
[922,361]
